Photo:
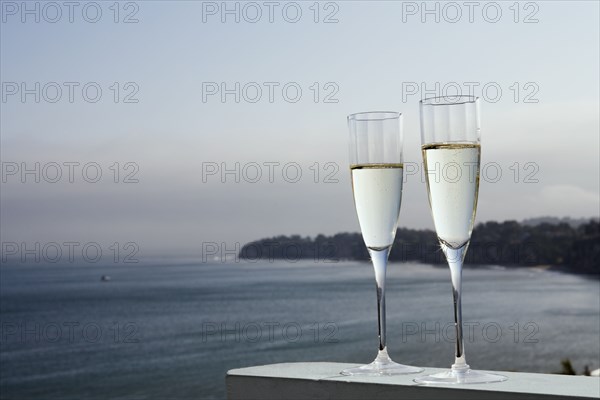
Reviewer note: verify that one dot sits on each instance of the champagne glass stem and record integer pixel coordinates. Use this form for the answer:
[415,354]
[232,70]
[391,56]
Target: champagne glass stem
[455,262]
[380,259]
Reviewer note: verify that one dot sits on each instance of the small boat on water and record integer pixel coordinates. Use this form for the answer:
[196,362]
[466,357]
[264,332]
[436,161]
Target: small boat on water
[105,278]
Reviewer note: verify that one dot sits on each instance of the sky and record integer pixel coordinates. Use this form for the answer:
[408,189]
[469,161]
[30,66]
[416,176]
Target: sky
[170,125]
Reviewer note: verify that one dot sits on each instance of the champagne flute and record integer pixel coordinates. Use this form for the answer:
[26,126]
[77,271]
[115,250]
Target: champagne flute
[450,138]
[377,171]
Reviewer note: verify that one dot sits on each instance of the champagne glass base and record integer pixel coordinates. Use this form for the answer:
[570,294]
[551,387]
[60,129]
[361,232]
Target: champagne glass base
[460,377]
[382,366]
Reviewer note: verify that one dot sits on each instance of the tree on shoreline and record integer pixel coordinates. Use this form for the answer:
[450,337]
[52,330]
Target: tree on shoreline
[508,243]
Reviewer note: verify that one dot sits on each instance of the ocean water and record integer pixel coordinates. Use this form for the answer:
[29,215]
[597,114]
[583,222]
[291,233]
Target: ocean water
[172,331]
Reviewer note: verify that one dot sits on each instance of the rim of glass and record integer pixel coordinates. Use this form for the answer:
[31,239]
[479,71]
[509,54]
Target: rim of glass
[449,100]
[374,116]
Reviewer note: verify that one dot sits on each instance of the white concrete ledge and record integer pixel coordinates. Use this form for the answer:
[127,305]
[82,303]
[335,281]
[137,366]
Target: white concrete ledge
[323,381]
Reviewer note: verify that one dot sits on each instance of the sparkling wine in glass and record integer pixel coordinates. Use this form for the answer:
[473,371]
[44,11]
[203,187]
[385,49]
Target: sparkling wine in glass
[450,138]
[377,170]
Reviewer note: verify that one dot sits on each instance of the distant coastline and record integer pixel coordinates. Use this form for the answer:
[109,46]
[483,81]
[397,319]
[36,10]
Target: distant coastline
[559,244]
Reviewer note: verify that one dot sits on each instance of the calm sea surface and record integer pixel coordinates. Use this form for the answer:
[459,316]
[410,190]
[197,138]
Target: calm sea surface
[156,332]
